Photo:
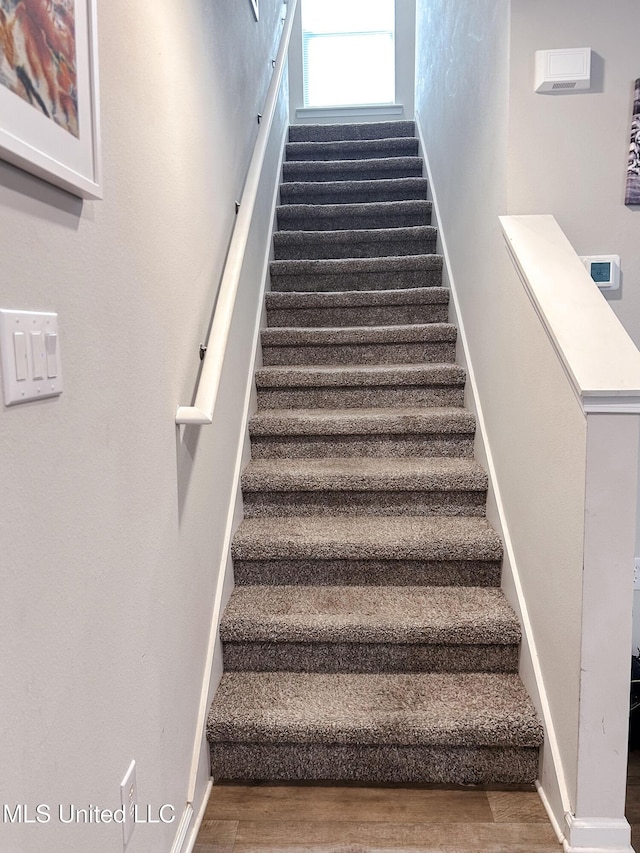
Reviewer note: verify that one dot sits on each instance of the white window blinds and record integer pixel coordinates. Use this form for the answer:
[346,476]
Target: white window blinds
[348,52]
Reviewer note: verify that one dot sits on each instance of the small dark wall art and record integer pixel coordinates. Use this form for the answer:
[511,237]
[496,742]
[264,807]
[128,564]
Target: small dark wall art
[632,195]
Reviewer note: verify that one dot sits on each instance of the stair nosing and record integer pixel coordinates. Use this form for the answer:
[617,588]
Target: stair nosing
[389,615]
[388,537]
[414,709]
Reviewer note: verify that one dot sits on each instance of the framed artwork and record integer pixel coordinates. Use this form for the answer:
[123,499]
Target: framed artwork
[254,6]
[49,111]
[632,195]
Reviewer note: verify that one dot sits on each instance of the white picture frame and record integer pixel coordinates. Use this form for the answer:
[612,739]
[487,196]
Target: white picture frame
[35,141]
[256,11]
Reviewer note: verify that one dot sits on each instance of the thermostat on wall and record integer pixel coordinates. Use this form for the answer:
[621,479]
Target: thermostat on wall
[604,270]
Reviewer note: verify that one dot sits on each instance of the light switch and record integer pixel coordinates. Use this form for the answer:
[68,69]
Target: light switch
[20,354]
[30,355]
[51,346]
[37,354]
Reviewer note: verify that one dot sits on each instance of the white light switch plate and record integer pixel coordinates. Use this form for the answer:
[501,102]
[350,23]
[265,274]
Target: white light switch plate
[30,353]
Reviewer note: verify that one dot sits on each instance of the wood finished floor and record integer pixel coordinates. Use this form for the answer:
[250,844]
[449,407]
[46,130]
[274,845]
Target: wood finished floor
[349,819]
[633,797]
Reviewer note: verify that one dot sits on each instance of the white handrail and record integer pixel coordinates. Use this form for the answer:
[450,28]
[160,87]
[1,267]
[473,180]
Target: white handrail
[201,412]
[599,358]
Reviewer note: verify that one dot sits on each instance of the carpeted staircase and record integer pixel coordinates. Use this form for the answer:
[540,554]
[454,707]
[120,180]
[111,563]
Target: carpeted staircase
[367,637]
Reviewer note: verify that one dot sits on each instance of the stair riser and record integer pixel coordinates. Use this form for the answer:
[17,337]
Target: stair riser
[307,447]
[379,503]
[365,149]
[353,170]
[353,192]
[317,283]
[378,763]
[310,221]
[367,657]
[337,132]
[315,250]
[384,315]
[353,398]
[367,572]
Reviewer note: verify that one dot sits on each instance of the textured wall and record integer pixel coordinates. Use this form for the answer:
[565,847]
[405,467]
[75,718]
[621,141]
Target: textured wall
[534,426]
[111,522]
[568,153]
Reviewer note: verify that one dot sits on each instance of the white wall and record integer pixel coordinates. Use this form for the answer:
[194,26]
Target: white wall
[568,153]
[111,521]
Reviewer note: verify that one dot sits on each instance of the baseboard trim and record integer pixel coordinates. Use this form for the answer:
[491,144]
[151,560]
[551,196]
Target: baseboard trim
[503,528]
[557,828]
[193,836]
[597,835]
[183,828]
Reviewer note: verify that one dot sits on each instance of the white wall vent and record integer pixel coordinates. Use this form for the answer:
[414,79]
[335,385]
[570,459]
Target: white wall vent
[563,70]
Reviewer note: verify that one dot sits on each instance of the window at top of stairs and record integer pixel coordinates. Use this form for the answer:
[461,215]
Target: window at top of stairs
[348,52]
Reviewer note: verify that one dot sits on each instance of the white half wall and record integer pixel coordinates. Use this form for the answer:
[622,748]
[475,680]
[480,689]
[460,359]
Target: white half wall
[464,120]
[111,525]
[568,153]
[466,57]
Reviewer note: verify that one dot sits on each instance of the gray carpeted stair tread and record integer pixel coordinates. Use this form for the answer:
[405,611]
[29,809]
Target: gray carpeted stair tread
[364,432]
[345,266]
[327,347]
[342,309]
[360,375]
[354,243]
[351,192]
[479,709]
[331,217]
[351,486]
[352,149]
[359,614]
[352,170]
[358,475]
[362,130]
[355,386]
[376,538]
[395,272]
[326,422]
[276,301]
[359,335]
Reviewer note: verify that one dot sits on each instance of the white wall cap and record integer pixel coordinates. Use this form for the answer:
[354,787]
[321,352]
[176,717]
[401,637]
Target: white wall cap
[599,357]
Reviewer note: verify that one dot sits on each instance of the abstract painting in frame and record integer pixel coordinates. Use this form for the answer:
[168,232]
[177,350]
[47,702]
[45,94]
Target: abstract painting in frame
[632,195]
[254,6]
[49,113]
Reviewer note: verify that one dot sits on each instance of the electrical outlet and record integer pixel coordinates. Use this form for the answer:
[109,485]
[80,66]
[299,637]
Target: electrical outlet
[129,801]
[636,573]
